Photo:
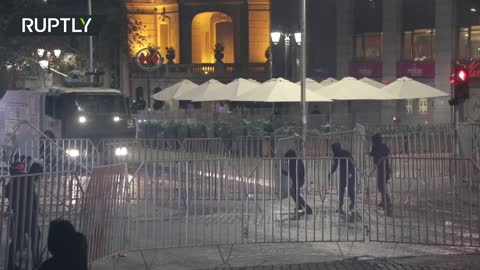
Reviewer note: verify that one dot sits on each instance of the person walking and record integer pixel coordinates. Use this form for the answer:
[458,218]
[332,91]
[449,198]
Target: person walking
[347,175]
[296,172]
[380,153]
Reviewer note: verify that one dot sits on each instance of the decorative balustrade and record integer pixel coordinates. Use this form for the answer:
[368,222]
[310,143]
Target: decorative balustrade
[258,71]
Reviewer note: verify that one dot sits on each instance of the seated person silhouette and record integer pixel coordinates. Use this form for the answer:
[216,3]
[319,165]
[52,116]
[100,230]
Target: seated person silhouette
[68,247]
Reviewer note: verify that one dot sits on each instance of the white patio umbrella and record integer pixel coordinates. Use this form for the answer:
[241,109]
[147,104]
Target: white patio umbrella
[174,91]
[352,89]
[279,90]
[231,90]
[406,88]
[328,81]
[372,82]
[204,89]
[312,84]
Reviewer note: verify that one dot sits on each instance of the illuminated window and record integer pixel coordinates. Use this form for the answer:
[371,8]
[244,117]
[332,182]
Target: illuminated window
[475,42]
[209,28]
[367,29]
[469,42]
[423,105]
[418,45]
[409,106]
[368,46]
[164,35]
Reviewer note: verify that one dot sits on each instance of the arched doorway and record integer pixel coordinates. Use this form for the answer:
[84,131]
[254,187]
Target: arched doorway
[209,28]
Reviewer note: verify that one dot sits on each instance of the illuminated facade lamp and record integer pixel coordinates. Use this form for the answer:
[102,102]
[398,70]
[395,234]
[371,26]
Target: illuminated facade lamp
[40,52]
[298,38]
[43,64]
[57,52]
[275,37]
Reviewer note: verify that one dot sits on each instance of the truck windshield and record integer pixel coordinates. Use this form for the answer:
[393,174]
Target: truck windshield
[100,104]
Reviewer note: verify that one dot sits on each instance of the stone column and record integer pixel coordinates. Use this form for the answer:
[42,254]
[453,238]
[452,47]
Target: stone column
[445,54]
[124,75]
[344,36]
[185,33]
[244,37]
[392,51]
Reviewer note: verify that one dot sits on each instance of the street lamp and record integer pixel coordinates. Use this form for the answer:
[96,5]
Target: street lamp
[45,58]
[276,36]
[298,38]
[46,55]
[40,52]
[43,64]
[90,45]
[303,70]
[57,52]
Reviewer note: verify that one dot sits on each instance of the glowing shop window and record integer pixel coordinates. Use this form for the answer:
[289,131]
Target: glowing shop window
[409,106]
[423,105]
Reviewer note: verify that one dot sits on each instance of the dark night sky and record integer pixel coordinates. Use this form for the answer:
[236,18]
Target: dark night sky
[321,30]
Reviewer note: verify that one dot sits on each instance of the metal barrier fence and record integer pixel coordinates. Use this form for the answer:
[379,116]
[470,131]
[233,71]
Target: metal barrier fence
[135,151]
[469,141]
[432,201]
[253,146]
[175,204]
[321,146]
[432,142]
[199,202]
[54,155]
[214,201]
[105,211]
[28,203]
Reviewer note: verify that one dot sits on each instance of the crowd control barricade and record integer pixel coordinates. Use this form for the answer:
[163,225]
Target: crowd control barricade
[203,202]
[203,147]
[218,201]
[253,147]
[79,155]
[28,204]
[431,201]
[427,142]
[321,146]
[105,211]
[469,141]
[135,151]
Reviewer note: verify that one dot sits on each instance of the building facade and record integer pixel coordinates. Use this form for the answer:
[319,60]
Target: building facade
[193,28]
[388,39]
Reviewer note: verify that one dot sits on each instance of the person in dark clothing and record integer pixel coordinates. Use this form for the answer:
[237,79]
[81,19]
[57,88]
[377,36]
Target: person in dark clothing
[68,247]
[347,175]
[23,202]
[380,153]
[315,110]
[296,171]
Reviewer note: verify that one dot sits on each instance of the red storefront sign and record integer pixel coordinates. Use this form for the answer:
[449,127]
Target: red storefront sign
[474,70]
[416,69]
[360,70]
[149,59]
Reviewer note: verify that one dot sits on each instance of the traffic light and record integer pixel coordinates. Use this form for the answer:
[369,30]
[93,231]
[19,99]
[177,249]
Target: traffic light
[460,82]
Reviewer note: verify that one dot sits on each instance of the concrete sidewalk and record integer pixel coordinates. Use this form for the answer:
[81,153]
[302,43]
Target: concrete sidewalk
[368,255]
[349,264]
